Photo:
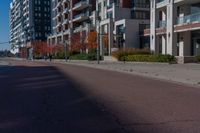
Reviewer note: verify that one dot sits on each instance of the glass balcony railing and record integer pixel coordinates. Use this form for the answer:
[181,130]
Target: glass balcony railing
[81,3]
[189,18]
[109,6]
[162,24]
[160,1]
[81,15]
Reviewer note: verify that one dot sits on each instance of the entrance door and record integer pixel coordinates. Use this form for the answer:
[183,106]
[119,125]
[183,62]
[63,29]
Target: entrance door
[197,46]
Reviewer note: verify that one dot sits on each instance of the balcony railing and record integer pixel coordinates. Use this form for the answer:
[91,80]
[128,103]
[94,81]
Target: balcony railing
[81,15]
[82,2]
[189,19]
[110,6]
[162,24]
[160,1]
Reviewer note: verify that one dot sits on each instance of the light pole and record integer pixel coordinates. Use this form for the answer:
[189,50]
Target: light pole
[98,38]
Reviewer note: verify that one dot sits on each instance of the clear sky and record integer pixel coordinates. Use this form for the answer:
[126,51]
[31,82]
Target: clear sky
[4,23]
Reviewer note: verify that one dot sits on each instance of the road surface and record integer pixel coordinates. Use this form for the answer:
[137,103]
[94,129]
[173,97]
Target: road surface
[56,98]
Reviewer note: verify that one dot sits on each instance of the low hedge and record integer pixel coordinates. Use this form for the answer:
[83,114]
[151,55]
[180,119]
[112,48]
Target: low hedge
[149,58]
[198,58]
[81,56]
[130,51]
[84,56]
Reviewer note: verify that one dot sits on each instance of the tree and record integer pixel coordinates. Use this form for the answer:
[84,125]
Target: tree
[91,40]
[106,41]
[41,48]
[77,43]
[58,48]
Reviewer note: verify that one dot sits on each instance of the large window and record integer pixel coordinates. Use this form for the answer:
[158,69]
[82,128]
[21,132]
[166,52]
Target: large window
[140,14]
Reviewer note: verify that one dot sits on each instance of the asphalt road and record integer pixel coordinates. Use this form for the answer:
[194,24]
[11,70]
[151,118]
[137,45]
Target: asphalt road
[55,98]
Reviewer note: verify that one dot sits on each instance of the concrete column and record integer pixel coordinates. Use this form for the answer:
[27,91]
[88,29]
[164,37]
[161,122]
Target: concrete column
[164,15]
[111,36]
[171,36]
[62,38]
[101,40]
[56,40]
[154,20]
[164,49]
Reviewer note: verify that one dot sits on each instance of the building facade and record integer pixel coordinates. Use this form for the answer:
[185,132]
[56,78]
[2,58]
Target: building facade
[70,18]
[175,28]
[122,21]
[30,20]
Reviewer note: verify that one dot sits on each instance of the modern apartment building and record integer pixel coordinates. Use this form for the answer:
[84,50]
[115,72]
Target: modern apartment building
[122,21]
[71,17]
[30,20]
[175,28]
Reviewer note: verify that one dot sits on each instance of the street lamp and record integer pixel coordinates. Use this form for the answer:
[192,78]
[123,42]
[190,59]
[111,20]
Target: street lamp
[98,37]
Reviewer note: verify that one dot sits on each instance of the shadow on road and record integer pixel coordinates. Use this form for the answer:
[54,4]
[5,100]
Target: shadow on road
[43,100]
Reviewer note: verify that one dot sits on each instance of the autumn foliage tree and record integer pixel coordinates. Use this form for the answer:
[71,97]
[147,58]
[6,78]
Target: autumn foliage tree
[77,44]
[106,41]
[41,48]
[92,40]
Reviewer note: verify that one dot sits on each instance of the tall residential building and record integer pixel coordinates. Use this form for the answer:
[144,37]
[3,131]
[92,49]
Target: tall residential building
[71,17]
[175,28]
[30,20]
[122,21]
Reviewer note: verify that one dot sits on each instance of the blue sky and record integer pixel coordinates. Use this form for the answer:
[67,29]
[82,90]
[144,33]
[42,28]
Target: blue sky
[4,23]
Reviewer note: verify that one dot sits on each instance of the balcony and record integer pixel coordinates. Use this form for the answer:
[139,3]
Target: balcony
[81,17]
[81,5]
[78,29]
[193,18]
[110,6]
[66,31]
[161,3]
[66,21]
[162,24]
[66,10]
[189,22]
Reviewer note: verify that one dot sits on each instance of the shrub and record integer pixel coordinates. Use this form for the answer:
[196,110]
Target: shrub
[149,58]
[92,54]
[61,55]
[198,58]
[130,51]
[81,56]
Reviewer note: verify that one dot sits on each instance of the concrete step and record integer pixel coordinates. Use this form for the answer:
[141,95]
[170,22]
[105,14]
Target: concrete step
[109,58]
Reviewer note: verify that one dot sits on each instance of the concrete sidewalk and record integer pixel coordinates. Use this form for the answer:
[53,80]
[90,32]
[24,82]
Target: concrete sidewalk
[3,62]
[180,73]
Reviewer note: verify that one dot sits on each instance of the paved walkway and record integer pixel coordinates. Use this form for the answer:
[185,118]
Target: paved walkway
[181,73]
[3,63]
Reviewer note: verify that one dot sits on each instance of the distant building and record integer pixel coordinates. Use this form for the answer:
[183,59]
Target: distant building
[122,21]
[30,20]
[175,28]
[71,17]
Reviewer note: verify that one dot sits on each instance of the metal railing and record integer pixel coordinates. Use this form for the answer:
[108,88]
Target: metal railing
[162,24]
[189,18]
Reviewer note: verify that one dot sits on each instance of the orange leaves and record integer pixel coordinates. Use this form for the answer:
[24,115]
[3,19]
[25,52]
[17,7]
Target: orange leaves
[106,41]
[92,40]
